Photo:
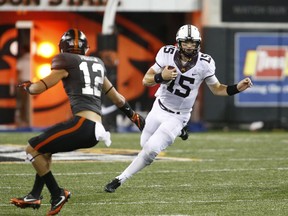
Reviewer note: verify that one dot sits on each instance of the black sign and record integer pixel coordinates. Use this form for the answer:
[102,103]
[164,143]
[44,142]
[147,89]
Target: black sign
[255,11]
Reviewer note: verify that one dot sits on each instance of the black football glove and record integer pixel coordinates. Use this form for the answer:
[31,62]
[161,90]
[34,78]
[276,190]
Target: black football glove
[184,133]
[138,120]
[25,85]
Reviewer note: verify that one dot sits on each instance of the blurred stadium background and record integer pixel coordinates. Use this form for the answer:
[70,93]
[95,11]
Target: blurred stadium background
[245,38]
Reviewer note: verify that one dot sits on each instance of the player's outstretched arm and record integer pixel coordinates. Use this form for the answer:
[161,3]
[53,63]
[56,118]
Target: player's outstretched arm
[229,90]
[120,101]
[43,84]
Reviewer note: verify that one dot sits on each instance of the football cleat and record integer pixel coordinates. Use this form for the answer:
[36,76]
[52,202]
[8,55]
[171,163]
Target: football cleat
[112,186]
[184,133]
[58,203]
[28,201]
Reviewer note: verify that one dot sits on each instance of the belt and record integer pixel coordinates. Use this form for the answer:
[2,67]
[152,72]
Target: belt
[166,109]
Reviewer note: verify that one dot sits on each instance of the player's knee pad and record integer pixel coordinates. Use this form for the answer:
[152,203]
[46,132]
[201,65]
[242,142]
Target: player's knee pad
[148,157]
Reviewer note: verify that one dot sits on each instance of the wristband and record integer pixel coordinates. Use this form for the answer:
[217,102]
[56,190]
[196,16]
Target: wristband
[127,110]
[232,90]
[158,78]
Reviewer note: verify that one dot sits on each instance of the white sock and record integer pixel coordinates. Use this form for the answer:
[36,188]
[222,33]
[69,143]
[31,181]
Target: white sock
[136,165]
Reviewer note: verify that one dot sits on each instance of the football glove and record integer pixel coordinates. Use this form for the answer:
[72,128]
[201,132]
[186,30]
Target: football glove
[138,120]
[184,133]
[25,85]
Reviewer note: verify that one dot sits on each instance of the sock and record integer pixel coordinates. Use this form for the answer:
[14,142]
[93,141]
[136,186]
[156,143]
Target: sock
[137,164]
[52,185]
[37,187]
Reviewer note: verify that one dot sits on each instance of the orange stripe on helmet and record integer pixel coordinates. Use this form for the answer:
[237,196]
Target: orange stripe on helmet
[59,134]
[76,43]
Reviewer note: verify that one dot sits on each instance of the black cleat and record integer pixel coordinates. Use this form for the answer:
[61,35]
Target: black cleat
[27,201]
[112,186]
[184,133]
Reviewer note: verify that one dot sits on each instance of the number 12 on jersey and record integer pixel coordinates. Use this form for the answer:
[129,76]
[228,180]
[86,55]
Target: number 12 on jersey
[97,81]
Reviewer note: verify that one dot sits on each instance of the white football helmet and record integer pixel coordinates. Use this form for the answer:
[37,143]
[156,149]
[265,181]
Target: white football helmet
[185,33]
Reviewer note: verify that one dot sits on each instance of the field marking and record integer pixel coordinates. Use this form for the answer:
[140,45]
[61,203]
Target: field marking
[16,154]
[159,202]
[258,159]
[160,171]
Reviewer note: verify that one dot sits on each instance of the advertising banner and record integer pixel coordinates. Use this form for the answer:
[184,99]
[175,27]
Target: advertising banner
[263,56]
[254,11]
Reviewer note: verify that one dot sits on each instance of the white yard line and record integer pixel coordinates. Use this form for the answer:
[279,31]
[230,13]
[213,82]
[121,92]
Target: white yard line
[159,202]
[159,171]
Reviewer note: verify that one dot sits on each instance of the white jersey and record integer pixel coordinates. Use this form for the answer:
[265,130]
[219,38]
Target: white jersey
[180,94]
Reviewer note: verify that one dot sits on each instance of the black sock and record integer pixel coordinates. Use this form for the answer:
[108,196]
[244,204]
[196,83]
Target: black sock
[52,185]
[37,187]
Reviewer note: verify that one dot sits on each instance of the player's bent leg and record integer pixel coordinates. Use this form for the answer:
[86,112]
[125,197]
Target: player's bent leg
[29,200]
[142,160]
[146,156]
[48,158]
[41,162]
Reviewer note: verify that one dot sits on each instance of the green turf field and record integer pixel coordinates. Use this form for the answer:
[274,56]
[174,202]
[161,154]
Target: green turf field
[231,173]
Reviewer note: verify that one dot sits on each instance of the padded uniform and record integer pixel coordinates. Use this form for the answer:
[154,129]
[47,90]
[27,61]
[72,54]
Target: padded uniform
[83,88]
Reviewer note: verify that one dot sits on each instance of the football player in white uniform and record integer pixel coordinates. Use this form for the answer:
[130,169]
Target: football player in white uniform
[180,70]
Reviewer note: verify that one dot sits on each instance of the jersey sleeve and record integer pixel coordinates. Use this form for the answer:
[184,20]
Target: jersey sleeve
[60,61]
[163,57]
[210,80]
[209,65]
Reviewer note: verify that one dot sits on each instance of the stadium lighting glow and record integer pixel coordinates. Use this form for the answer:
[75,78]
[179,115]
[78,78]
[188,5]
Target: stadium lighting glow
[46,49]
[43,70]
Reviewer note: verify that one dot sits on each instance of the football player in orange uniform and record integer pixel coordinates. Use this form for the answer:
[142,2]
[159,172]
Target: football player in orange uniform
[84,79]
